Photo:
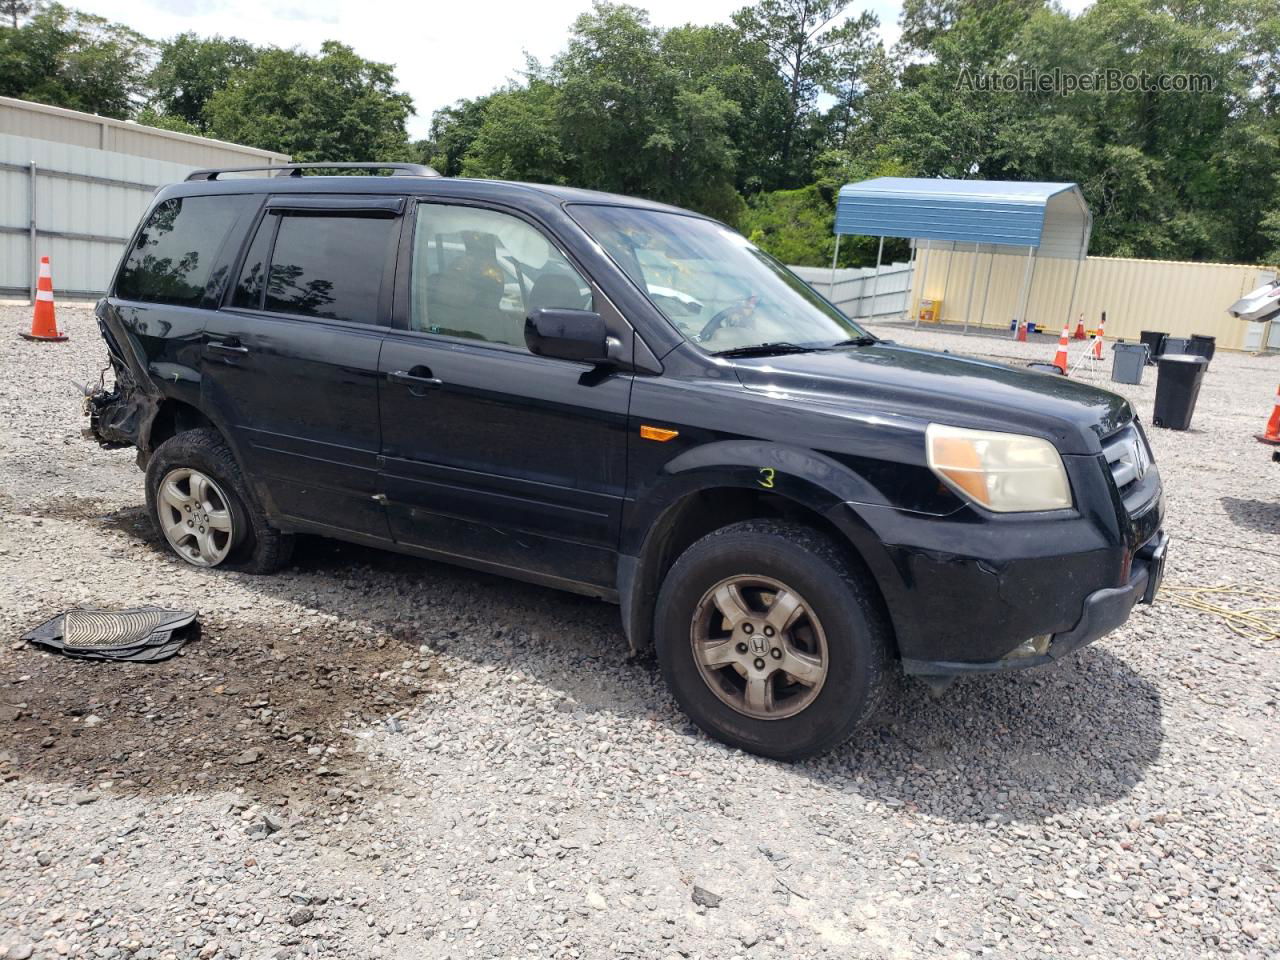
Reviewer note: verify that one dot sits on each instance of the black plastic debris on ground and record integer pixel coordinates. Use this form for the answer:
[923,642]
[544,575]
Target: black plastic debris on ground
[141,635]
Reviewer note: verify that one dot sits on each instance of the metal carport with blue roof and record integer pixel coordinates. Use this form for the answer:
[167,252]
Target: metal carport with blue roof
[992,216]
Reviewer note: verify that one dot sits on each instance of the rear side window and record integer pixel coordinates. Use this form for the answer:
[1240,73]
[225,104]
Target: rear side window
[320,266]
[253,274]
[174,254]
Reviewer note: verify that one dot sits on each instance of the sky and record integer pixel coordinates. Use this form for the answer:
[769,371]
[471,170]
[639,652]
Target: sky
[441,51]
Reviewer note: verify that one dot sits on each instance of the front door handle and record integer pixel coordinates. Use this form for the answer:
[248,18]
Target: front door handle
[418,379]
[227,346]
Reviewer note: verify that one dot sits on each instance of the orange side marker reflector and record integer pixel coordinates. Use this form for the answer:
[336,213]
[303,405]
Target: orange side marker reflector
[661,434]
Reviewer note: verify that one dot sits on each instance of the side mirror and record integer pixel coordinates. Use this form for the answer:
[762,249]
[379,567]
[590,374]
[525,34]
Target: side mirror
[567,334]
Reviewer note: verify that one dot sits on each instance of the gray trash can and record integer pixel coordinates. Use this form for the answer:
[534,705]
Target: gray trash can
[1127,362]
[1176,345]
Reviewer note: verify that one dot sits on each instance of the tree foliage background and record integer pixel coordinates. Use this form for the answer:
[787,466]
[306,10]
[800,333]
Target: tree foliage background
[759,121]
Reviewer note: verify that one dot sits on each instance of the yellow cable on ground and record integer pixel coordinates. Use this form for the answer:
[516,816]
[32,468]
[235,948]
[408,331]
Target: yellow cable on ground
[1235,606]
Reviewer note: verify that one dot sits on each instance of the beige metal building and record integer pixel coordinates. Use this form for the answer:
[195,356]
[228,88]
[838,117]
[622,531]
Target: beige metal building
[1177,297]
[999,253]
[73,185]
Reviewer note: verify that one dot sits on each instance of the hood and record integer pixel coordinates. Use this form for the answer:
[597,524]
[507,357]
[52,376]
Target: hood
[944,388]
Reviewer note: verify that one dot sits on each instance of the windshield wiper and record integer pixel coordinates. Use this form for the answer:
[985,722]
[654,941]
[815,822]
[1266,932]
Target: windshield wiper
[771,348]
[857,342]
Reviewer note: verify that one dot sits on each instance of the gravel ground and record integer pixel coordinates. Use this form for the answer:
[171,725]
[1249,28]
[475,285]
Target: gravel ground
[374,756]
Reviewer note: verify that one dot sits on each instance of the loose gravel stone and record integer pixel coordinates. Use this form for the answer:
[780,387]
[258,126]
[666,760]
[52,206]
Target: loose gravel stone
[454,765]
[705,898]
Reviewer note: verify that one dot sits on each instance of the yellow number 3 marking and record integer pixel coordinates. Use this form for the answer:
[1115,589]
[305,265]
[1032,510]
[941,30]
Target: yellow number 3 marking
[766,477]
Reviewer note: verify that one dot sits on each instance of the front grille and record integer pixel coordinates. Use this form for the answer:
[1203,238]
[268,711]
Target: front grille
[1128,458]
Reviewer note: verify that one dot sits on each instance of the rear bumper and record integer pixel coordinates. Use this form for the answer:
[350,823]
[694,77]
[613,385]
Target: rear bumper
[1102,611]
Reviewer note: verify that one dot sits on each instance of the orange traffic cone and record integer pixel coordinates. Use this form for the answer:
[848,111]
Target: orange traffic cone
[1080,334]
[1097,340]
[1022,332]
[1272,433]
[43,324]
[1060,358]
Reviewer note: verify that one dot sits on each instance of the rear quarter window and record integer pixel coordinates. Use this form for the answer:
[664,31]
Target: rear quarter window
[174,254]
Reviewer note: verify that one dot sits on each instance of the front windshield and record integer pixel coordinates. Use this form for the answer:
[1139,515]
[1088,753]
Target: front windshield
[713,284]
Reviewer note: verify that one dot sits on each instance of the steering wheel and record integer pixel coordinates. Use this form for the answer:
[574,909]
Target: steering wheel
[731,316]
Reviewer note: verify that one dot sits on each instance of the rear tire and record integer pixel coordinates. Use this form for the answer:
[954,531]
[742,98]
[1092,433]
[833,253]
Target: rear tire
[235,534]
[731,679]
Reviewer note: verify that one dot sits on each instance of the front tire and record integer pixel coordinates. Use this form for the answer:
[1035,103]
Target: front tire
[203,510]
[771,639]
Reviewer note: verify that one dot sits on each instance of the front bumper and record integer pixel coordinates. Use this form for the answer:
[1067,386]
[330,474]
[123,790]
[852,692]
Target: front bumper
[1103,611]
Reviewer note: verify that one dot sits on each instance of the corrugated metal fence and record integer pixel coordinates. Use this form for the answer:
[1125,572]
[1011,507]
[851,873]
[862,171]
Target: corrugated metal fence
[74,204]
[858,293]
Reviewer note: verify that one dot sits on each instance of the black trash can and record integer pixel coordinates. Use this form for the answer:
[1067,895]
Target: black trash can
[1154,339]
[1202,345]
[1177,387]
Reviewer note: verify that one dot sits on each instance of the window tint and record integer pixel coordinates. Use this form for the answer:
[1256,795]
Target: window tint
[171,260]
[327,266]
[477,274]
[253,273]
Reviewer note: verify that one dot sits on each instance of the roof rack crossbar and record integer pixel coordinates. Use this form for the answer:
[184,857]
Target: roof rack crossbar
[295,169]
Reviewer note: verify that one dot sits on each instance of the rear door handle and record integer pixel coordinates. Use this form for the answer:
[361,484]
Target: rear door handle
[418,380]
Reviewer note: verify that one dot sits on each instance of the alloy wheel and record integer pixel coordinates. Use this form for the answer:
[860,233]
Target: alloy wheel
[195,517]
[759,646]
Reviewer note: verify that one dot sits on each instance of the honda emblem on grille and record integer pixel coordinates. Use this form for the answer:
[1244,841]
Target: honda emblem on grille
[1136,456]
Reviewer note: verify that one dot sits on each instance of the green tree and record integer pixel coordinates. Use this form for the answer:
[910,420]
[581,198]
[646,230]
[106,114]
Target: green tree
[335,106]
[793,225]
[148,117]
[798,226]
[636,118]
[612,86]
[191,69]
[71,59]
[11,10]
[1172,174]
[863,75]
[1168,174]
[453,130]
[809,45]
[720,56]
[626,107]
[518,138]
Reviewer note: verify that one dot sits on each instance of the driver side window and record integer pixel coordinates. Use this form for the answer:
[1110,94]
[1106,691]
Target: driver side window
[478,273]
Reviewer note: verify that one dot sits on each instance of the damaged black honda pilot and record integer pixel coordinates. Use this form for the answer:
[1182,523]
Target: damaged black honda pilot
[627,400]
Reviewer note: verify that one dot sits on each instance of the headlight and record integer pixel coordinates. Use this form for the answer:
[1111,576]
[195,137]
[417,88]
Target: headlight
[1002,471]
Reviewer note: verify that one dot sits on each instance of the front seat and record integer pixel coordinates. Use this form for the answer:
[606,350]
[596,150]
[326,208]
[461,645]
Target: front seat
[463,301]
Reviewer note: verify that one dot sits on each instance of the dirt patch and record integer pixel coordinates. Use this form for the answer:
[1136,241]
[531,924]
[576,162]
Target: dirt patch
[131,520]
[265,709]
[69,507]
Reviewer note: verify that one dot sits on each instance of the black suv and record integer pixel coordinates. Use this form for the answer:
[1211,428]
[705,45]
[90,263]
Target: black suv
[627,400]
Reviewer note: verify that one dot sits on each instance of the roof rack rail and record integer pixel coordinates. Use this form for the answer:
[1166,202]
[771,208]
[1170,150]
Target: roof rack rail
[295,169]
